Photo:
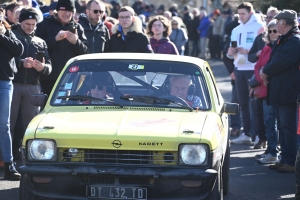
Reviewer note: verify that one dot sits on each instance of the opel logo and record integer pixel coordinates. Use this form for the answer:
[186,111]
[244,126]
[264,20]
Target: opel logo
[117,143]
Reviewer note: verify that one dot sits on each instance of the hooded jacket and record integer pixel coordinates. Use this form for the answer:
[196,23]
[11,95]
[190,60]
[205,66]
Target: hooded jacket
[179,38]
[245,35]
[135,41]
[32,45]
[164,46]
[10,47]
[60,51]
[283,69]
[97,37]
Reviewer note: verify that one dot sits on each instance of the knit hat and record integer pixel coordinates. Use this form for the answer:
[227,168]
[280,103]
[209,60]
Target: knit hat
[28,14]
[65,5]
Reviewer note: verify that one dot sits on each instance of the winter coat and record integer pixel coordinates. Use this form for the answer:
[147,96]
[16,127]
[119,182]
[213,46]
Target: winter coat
[192,29]
[135,41]
[283,70]
[203,27]
[60,51]
[262,61]
[97,37]
[32,45]
[164,46]
[179,38]
[10,47]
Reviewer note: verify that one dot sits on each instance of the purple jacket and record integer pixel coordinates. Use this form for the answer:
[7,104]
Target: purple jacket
[164,46]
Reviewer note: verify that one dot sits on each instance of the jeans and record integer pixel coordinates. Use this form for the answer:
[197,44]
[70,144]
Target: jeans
[194,47]
[241,82]
[6,90]
[203,43]
[286,118]
[257,116]
[270,128]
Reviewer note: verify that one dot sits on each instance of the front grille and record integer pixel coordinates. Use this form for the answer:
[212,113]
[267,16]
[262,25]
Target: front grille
[97,179]
[118,157]
[87,179]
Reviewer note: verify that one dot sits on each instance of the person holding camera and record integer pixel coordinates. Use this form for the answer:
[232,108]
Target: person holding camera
[10,47]
[242,39]
[31,65]
[65,39]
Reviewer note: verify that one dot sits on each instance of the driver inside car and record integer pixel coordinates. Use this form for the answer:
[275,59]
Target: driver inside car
[182,86]
[97,88]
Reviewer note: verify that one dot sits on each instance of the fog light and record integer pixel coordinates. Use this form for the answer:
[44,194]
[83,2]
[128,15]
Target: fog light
[191,183]
[73,151]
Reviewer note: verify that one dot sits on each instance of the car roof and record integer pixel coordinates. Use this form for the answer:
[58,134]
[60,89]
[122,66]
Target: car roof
[142,56]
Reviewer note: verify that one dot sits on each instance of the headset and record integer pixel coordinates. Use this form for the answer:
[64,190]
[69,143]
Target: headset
[167,86]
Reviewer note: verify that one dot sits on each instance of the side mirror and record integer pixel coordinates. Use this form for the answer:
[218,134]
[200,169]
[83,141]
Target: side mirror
[230,108]
[38,99]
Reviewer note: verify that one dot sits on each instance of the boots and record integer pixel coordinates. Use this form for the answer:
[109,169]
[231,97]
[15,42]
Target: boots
[10,172]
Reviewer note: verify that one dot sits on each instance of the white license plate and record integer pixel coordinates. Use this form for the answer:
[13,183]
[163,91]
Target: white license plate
[117,192]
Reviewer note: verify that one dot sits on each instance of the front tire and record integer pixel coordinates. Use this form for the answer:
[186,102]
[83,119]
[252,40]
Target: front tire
[217,191]
[226,170]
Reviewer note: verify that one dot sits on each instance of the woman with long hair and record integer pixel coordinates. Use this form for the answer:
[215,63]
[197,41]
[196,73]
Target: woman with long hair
[159,29]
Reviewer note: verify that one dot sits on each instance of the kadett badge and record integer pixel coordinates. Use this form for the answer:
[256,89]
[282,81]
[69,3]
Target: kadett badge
[135,66]
[117,144]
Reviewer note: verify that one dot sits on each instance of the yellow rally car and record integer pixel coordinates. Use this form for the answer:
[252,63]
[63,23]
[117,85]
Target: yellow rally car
[129,126]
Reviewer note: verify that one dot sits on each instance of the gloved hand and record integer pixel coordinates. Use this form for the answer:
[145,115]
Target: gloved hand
[2,29]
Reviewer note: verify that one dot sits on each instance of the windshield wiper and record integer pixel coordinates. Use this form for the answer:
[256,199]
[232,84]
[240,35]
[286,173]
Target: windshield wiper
[153,100]
[82,97]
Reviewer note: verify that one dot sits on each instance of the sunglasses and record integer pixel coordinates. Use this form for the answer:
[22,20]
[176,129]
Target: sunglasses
[270,31]
[100,87]
[98,11]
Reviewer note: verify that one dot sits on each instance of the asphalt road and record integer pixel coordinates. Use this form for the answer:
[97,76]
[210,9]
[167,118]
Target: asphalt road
[249,180]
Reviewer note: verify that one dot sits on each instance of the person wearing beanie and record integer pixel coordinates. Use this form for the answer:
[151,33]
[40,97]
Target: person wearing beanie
[95,30]
[65,39]
[128,35]
[26,81]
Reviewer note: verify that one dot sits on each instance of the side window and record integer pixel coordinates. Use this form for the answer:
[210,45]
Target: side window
[212,83]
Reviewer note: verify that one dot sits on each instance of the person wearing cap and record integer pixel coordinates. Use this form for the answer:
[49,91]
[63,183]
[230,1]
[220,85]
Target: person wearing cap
[10,47]
[26,81]
[128,35]
[52,7]
[96,32]
[282,75]
[244,36]
[65,39]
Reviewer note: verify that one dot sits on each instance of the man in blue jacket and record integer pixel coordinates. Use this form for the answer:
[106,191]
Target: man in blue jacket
[203,32]
[282,76]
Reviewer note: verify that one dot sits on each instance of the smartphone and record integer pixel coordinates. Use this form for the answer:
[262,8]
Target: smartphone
[40,55]
[233,44]
[71,28]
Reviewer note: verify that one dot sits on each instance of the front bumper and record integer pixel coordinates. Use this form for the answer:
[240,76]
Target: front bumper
[71,181]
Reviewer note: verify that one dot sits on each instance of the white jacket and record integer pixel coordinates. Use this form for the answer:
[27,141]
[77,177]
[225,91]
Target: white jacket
[245,35]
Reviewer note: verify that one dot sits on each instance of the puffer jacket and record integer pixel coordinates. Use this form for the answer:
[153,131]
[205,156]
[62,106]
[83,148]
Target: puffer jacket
[97,37]
[283,70]
[60,51]
[164,46]
[32,45]
[10,47]
[134,42]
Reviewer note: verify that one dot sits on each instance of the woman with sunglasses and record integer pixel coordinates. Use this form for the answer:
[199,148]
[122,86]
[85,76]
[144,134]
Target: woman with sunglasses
[270,155]
[159,28]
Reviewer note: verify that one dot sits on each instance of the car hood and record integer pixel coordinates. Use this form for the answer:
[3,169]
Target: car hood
[122,129]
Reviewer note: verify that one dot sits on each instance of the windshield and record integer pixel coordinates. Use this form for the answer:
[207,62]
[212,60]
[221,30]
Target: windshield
[141,83]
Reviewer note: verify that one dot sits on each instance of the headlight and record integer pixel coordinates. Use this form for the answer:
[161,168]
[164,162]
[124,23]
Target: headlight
[38,150]
[193,154]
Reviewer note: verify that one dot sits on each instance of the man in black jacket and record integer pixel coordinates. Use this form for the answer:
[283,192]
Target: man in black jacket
[128,35]
[96,32]
[26,81]
[282,75]
[65,39]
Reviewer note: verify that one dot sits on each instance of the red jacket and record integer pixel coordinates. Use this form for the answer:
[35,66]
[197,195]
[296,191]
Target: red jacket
[262,60]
